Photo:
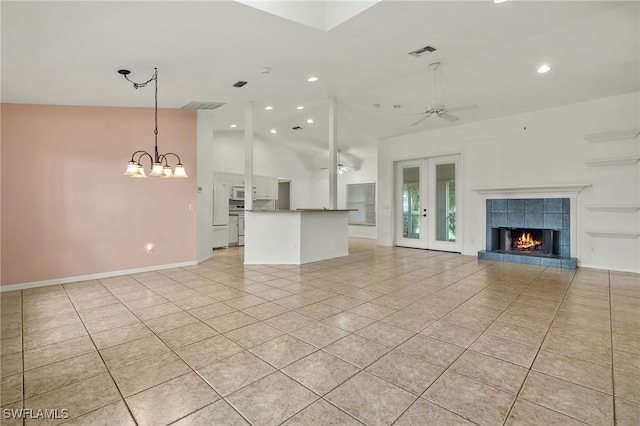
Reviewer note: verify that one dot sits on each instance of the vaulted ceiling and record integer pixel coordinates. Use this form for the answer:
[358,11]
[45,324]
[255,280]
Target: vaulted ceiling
[68,53]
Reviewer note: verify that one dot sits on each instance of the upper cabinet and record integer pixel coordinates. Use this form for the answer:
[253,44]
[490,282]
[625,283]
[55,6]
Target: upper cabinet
[266,188]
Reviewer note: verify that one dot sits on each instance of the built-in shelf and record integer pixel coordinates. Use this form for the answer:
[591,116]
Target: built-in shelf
[607,234]
[626,161]
[617,208]
[542,191]
[613,136]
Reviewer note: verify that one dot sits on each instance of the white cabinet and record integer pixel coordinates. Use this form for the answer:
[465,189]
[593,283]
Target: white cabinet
[233,229]
[266,188]
[238,179]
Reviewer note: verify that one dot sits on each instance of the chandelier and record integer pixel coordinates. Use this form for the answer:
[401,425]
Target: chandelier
[159,162]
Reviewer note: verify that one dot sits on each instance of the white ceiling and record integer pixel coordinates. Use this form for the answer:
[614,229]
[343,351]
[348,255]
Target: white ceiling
[68,53]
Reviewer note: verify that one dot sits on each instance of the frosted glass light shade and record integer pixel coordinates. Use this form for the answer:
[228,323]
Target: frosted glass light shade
[167,172]
[157,170]
[132,169]
[179,171]
[141,173]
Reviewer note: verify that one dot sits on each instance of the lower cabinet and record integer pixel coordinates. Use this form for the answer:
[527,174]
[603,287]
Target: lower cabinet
[233,230]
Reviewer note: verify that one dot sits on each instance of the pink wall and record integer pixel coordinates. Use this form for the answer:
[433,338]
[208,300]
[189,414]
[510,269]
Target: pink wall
[67,209]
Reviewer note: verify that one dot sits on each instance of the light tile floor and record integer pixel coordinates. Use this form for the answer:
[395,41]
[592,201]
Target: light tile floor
[383,336]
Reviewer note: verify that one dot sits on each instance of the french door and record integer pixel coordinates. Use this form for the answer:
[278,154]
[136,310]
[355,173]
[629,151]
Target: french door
[428,196]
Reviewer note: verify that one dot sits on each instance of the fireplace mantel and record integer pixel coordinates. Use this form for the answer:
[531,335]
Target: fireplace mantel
[542,191]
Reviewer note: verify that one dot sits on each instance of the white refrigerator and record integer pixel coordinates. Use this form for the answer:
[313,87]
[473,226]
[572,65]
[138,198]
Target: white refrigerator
[220,215]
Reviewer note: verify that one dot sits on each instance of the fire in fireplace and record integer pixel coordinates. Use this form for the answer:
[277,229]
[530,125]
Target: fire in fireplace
[524,241]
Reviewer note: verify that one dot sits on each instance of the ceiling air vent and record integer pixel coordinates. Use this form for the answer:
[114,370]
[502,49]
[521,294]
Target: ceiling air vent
[203,105]
[239,83]
[296,128]
[422,50]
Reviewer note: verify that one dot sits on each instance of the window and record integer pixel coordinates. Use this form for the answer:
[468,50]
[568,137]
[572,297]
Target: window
[361,197]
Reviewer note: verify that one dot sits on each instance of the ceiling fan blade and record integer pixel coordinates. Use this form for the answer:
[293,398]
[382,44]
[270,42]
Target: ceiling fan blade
[462,108]
[420,121]
[448,117]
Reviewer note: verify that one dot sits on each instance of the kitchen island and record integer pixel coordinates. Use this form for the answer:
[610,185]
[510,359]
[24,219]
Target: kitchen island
[294,237]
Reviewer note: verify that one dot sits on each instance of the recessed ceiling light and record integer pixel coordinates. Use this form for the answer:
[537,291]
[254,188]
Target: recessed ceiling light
[312,79]
[310,120]
[234,125]
[499,1]
[544,68]
[299,107]
[274,131]
[268,107]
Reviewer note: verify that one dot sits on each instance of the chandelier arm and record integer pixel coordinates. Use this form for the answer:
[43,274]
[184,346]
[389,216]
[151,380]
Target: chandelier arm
[137,152]
[163,157]
[142,154]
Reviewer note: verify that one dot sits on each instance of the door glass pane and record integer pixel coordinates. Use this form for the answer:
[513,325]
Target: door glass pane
[446,202]
[411,202]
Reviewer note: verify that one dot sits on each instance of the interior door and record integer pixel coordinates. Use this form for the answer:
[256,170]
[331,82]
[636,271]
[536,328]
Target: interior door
[427,206]
[412,210]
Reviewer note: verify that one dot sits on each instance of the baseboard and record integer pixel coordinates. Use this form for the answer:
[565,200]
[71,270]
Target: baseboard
[592,266]
[34,284]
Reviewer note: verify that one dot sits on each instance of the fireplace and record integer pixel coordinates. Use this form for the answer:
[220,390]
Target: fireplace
[533,231]
[542,242]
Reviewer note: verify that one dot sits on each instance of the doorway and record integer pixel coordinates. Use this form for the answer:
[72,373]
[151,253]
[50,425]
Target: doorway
[427,203]
[284,195]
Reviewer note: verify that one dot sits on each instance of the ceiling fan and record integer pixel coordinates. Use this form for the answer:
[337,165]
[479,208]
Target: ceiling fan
[438,110]
[341,168]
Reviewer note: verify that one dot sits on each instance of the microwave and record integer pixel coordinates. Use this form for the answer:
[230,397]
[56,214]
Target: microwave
[237,193]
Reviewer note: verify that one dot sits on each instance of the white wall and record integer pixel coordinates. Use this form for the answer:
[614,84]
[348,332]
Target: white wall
[269,159]
[544,147]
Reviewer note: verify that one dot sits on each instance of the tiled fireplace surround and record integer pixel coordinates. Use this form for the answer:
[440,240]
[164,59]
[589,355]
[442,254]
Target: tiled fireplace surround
[540,213]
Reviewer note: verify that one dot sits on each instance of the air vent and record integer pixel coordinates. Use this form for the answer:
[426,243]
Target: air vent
[422,50]
[203,105]
[239,83]
[297,128]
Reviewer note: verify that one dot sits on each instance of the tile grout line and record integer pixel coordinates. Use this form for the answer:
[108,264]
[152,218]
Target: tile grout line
[23,350]
[613,371]
[536,356]
[463,352]
[101,357]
